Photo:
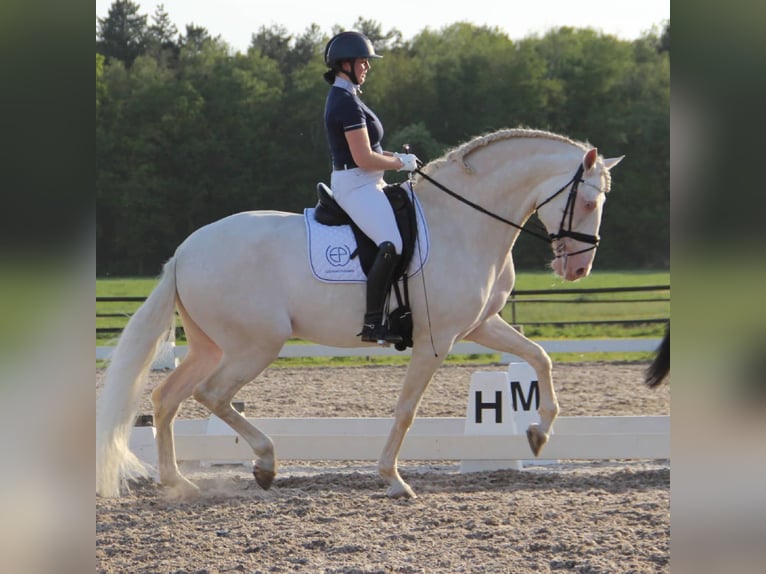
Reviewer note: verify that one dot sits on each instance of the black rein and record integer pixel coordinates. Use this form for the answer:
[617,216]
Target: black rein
[573,184]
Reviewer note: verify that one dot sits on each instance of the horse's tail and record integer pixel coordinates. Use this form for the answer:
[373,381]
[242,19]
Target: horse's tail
[660,366]
[125,378]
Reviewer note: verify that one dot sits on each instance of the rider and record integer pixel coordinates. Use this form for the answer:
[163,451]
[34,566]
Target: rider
[354,133]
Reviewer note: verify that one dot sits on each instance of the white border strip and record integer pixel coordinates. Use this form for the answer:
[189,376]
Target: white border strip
[462,348]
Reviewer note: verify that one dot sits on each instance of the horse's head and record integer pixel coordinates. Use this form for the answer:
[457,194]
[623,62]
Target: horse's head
[573,216]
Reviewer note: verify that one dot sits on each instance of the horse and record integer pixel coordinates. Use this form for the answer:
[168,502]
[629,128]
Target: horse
[242,287]
[660,365]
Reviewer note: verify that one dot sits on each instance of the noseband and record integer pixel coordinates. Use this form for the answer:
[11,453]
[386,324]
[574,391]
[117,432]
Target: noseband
[552,238]
[594,240]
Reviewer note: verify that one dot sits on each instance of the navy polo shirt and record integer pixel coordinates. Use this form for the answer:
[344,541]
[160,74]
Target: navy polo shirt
[344,112]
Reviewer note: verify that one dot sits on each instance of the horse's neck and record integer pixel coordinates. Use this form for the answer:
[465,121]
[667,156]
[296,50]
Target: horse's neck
[507,178]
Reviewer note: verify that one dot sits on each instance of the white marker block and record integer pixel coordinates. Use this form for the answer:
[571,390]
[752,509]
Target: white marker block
[143,444]
[489,413]
[216,426]
[165,357]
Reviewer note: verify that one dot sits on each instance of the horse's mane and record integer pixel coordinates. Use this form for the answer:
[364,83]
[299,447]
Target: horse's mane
[462,151]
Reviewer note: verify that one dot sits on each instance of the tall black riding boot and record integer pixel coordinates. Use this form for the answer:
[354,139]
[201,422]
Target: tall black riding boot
[378,285]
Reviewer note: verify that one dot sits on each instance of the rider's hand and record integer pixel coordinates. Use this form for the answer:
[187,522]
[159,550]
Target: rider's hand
[409,161]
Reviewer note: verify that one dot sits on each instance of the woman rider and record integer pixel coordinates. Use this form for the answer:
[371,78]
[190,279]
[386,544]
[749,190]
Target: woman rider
[354,133]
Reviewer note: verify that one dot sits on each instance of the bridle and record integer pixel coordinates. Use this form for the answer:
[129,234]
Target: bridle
[565,227]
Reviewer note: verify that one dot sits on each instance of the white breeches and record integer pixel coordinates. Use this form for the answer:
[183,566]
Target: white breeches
[360,194]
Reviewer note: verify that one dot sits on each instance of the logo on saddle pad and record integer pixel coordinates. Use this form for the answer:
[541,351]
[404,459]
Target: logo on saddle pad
[338,255]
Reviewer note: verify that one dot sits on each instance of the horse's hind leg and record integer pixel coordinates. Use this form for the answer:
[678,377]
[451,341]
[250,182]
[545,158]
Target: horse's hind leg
[167,398]
[216,393]
[202,359]
[496,334]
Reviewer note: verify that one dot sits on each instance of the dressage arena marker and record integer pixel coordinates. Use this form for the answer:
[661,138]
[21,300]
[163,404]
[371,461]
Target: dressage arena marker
[491,436]
[503,404]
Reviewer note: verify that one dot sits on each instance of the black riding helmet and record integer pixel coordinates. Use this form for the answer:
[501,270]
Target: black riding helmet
[348,45]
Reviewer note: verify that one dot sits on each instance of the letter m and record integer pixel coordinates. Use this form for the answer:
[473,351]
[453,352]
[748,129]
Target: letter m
[517,395]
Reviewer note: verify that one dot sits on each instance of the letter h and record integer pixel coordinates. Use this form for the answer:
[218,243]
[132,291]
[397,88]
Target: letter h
[497,405]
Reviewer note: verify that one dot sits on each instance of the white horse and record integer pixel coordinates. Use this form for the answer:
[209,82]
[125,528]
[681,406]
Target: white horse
[242,286]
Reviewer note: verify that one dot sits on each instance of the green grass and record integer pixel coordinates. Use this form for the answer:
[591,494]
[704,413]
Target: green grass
[119,287]
[595,307]
[125,286]
[632,306]
[596,280]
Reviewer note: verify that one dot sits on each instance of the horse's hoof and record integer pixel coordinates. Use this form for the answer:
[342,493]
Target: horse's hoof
[401,491]
[264,477]
[182,492]
[536,438]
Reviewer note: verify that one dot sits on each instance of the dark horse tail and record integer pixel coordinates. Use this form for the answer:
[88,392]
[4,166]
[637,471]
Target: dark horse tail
[660,366]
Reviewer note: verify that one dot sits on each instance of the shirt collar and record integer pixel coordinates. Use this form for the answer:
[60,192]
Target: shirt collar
[346,85]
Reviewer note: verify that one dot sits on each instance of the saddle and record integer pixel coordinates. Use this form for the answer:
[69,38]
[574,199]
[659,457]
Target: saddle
[328,212]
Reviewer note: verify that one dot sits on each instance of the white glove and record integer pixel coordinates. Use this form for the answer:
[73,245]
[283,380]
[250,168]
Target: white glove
[409,161]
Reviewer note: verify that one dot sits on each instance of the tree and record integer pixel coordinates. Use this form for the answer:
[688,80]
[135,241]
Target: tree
[100,85]
[276,43]
[664,42]
[458,76]
[420,141]
[182,142]
[309,45]
[195,38]
[162,36]
[272,42]
[122,34]
[162,30]
[383,42]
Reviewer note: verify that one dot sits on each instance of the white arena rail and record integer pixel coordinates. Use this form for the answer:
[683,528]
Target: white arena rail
[575,438]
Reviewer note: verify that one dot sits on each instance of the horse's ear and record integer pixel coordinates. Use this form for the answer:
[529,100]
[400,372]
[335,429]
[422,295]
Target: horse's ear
[609,163]
[590,159]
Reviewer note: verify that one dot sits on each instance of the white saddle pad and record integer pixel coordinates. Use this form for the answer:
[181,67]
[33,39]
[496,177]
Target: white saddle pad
[330,248]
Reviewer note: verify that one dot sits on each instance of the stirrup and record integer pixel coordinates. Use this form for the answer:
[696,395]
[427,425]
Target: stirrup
[378,333]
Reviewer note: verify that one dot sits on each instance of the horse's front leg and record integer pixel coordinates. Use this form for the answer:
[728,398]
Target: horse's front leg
[419,372]
[496,334]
